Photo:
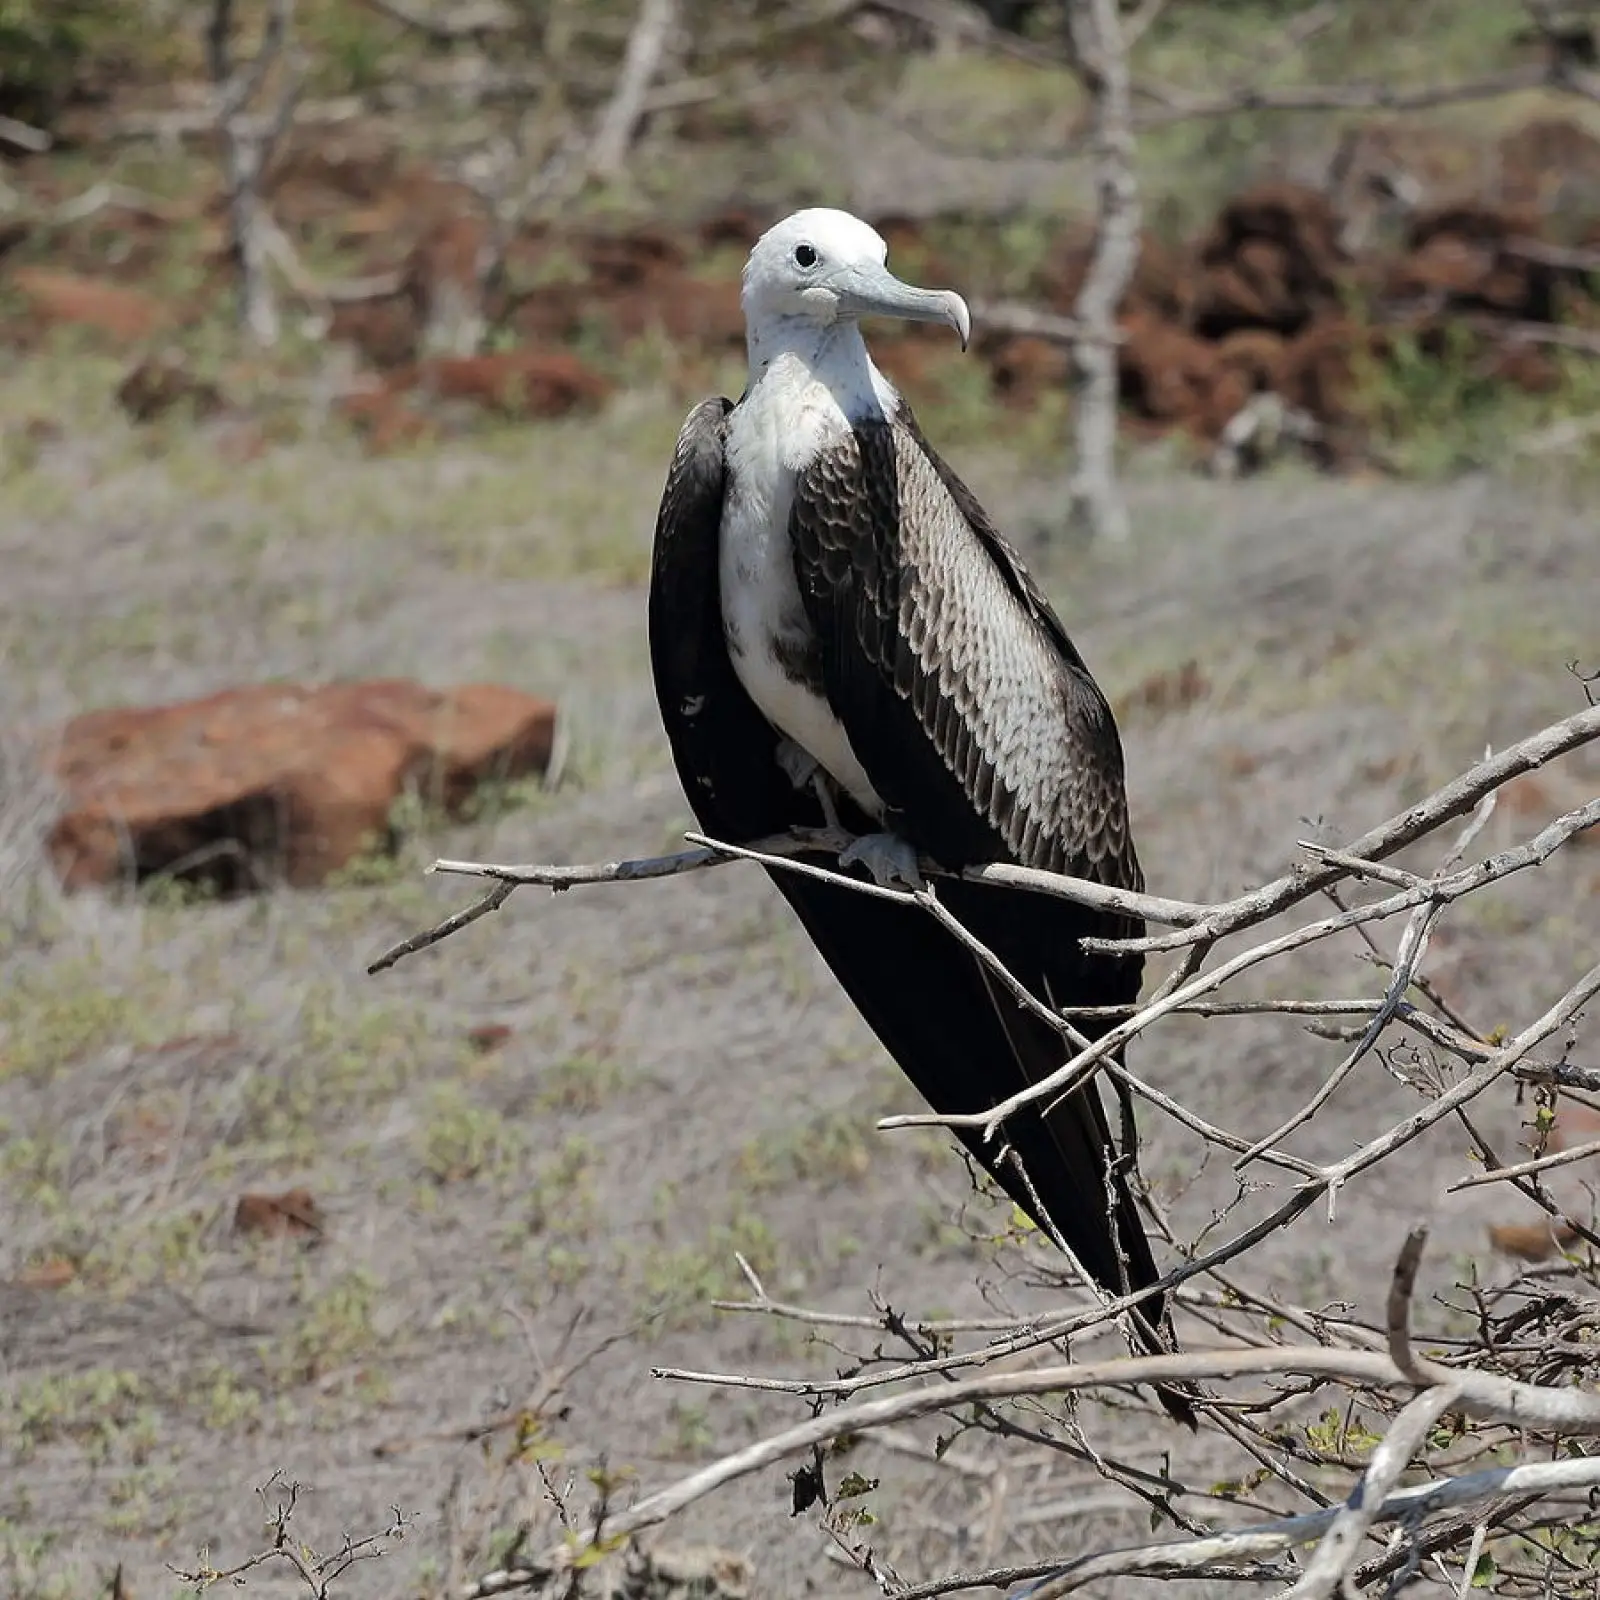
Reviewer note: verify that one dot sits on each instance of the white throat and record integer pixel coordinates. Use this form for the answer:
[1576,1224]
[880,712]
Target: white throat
[798,352]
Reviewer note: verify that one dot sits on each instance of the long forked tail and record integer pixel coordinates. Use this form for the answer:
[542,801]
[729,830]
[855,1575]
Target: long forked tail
[966,1045]
[1068,1174]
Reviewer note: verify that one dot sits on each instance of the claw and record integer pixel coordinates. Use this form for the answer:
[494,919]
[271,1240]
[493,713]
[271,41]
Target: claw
[889,858]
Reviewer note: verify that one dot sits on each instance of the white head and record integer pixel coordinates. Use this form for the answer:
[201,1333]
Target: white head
[822,267]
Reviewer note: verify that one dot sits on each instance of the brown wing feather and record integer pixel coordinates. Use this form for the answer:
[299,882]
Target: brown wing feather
[918,597]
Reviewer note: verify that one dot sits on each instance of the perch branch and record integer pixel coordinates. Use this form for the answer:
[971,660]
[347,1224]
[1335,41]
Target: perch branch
[1077,1070]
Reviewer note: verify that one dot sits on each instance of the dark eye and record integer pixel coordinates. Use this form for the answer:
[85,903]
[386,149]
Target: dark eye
[804,256]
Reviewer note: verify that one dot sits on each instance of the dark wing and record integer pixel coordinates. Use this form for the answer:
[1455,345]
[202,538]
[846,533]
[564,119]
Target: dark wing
[974,716]
[928,1002]
[724,749]
[979,724]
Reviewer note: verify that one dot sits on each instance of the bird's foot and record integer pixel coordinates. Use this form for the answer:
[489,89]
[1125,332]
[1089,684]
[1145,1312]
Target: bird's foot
[798,763]
[889,858]
[804,771]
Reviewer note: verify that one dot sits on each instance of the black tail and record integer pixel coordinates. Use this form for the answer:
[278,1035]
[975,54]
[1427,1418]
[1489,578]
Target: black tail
[966,1044]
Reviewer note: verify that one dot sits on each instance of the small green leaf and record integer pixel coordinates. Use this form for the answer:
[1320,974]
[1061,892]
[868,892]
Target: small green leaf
[1485,1572]
[854,1484]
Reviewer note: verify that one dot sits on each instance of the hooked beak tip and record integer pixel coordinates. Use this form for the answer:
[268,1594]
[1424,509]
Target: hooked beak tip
[960,318]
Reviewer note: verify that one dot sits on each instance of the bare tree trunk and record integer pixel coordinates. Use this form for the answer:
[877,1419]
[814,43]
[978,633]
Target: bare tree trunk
[647,45]
[248,143]
[1099,53]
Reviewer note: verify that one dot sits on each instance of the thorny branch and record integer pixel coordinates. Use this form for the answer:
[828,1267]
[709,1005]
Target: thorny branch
[1481,1395]
[317,1572]
[1520,1377]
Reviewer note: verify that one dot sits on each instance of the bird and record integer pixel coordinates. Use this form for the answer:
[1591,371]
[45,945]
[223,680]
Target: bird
[840,636]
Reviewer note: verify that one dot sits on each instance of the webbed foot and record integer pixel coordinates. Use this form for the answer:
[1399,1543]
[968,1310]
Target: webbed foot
[889,858]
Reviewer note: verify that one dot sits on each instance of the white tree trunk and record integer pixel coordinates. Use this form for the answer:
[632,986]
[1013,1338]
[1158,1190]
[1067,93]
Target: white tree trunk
[1099,50]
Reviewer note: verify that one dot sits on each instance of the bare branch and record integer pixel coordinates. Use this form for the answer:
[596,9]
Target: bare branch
[1481,1394]
[24,136]
[1444,805]
[1501,1062]
[1022,321]
[1271,1538]
[1522,1169]
[1397,1311]
[1077,1070]
[472,20]
[1175,106]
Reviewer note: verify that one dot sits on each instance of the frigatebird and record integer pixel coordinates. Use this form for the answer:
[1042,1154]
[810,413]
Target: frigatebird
[840,635]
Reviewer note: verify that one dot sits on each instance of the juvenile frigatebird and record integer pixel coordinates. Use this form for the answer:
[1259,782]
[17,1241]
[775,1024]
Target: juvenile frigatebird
[839,632]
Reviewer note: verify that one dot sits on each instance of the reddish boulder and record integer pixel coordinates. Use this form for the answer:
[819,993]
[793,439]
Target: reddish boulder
[160,383]
[524,383]
[1161,282]
[387,332]
[68,299]
[737,226]
[1164,373]
[1023,368]
[277,780]
[385,419]
[1270,260]
[1474,257]
[276,1216]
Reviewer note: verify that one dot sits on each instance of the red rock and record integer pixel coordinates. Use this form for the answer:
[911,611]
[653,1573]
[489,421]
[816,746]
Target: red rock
[1546,796]
[277,1215]
[526,383]
[1025,367]
[272,779]
[68,299]
[54,1272]
[488,1036]
[1531,1241]
[161,382]
[387,332]
[385,418]
[735,225]
[1165,692]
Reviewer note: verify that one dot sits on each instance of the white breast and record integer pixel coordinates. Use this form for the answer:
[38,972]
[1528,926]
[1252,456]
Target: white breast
[786,417]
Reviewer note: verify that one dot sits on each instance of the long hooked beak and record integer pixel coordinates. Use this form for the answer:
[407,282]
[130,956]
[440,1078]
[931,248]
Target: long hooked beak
[876,292]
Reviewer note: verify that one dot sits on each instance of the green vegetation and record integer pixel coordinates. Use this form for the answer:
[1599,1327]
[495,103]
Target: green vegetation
[53,50]
[459,1140]
[105,1410]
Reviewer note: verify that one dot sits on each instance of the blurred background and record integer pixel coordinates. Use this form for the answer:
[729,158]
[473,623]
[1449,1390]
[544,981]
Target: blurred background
[344,346]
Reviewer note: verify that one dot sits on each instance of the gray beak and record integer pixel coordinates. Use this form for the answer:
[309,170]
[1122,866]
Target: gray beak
[876,292]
